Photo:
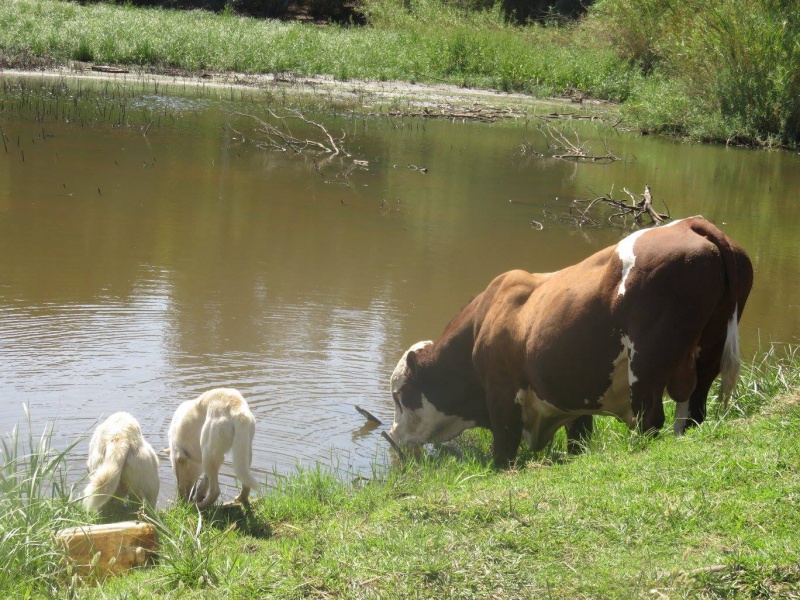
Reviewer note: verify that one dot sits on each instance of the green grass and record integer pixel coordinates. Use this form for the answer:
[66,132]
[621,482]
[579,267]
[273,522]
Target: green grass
[717,70]
[34,503]
[713,514]
[480,51]
[723,69]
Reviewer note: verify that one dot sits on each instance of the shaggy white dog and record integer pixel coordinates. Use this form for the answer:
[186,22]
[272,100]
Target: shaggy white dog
[200,434]
[121,463]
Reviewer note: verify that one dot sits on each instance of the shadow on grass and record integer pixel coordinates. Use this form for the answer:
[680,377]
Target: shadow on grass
[742,581]
[242,517]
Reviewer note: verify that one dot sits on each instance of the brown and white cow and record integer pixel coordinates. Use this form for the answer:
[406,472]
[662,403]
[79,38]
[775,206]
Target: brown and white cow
[535,352]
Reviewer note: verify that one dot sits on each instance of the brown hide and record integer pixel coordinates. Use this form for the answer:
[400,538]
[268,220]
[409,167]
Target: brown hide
[605,336]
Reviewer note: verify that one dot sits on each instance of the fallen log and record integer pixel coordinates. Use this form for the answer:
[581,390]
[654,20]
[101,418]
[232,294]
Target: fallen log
[108,69]
[102,550]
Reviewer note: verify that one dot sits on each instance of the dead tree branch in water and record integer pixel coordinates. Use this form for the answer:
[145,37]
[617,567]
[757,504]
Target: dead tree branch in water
[566,146]
[275,132]
[618,213]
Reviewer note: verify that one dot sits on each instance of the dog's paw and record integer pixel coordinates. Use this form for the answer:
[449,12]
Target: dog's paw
[206,501]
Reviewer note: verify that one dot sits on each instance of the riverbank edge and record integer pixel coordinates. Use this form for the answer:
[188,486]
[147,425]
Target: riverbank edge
[319,521]
[396,98]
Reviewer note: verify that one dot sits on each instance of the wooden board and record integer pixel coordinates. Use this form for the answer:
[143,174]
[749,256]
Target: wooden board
[108,549]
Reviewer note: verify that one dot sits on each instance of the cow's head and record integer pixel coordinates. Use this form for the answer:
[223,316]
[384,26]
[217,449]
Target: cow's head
[417,420]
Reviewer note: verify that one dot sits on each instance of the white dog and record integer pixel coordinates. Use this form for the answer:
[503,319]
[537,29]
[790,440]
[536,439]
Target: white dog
[200,434]
[121,463]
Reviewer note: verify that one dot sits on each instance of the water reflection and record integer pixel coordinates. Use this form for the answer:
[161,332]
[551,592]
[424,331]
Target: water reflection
[137,271]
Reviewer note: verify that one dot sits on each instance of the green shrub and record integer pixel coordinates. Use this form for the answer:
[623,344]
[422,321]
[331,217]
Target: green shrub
[636,27]
[743,58]
[736,59]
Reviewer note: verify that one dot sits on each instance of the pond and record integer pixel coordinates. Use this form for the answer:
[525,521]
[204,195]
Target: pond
[152,247]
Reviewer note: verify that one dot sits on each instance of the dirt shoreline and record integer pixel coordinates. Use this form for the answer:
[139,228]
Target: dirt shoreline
[395,98]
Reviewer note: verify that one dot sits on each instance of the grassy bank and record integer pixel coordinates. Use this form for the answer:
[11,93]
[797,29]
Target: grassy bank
[723,70]
[477,51]
[712,514]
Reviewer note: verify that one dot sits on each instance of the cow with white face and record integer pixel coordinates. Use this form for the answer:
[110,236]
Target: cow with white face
[419,421]
[534,352]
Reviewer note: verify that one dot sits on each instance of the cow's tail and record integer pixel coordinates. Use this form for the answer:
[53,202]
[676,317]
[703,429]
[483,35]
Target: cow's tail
[104,481]
[244,430]
[730,361]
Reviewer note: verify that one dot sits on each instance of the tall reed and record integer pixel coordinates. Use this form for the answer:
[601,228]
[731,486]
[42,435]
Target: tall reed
[35,502]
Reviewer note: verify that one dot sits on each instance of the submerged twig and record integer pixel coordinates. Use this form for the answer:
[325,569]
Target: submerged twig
[368,415]
[394,445]
[566,147]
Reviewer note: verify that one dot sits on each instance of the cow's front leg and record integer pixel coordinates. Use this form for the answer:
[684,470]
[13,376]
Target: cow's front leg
[505,421]
[648,406]
[578,433]
[653,416]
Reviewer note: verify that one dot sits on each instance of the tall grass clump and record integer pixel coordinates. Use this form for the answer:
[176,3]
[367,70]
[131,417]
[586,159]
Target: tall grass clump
[306,494]
[724,70]
[190,555]
[771,374]
[34,504]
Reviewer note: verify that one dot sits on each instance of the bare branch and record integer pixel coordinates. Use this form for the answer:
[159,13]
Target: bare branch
[274,131]
[565,147]
[583,213]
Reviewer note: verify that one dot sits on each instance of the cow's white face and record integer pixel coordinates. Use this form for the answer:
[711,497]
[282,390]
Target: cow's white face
[416,419]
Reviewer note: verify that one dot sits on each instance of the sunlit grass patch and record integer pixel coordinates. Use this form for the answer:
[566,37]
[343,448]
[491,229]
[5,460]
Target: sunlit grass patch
[711,514]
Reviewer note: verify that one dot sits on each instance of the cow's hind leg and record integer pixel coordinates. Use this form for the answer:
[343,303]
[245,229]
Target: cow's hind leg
[655,367]
[709,357]
[578,433]
[697,401]
[680,387]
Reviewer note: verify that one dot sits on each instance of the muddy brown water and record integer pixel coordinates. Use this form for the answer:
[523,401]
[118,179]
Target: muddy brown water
[137,271]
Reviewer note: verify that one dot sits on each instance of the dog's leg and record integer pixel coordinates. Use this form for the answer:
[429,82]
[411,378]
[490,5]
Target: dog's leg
[187,472]
[211,466]
[199,489]
[245,430]
[242,498]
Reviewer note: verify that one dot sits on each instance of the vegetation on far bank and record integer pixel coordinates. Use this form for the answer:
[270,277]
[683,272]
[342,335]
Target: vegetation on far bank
[717,70]
[713,514]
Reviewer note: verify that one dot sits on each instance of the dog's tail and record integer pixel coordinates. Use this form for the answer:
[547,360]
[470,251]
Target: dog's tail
[104,481]
[244,431]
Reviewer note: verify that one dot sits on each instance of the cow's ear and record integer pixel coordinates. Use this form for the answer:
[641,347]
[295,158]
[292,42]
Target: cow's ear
[412,362]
